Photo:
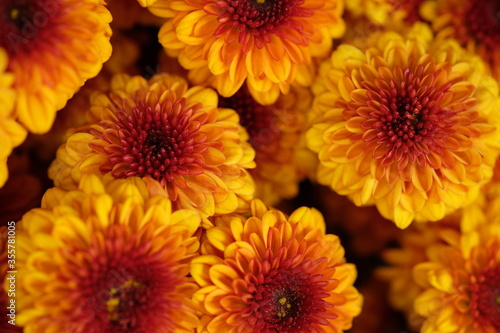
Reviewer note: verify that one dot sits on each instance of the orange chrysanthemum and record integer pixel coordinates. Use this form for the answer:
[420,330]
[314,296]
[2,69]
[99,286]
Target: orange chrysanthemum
[53,47]
[163,130]
[270,273]
[106,258]
[275,134]
[461,281]
[11,133]
[267,43]
[474,23]
[406,123]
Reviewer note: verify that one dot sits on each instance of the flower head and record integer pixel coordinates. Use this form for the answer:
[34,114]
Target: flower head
[407,123]
[267,43]
[162,130]
[106,258]
[275,133]
[270,273]
[53,47]
[461,280]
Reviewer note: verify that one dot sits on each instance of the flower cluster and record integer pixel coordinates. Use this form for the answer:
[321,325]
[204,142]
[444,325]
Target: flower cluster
[250,166]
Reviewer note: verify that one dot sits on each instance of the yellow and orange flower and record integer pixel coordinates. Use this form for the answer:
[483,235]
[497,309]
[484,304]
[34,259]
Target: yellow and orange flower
[272,273]
[406,123]
[270,44]
[11,133]
[461,280]
[474,23]
[106,258]
[161,129]
[275,134]
[53,47]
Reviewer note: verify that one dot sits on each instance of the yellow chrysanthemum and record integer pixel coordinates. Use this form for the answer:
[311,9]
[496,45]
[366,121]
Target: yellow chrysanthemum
[106,258]
[270,273]
[474,23]
[53,48]
[406,123]
[11,133]
[275,134]
[163,130]
[267,43]
[461,281]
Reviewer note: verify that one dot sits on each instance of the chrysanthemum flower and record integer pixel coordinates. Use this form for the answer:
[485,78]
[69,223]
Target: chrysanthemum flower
[163,130]
[270,273]
[11,133]
[461,281]
[275,134]
[474,23]
[267,43]
[108,258]
[53,47]
[406,123]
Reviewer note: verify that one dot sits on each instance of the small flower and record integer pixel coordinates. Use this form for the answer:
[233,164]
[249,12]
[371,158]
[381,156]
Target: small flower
[407,124]
[163,130]
[106,258]
[275,134]
[270,273]
[474,23]
[53,47]
[267,43]
[461,280]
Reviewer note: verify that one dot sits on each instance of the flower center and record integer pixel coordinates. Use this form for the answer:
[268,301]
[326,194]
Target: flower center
[258,120]
[125,287]
[263,17]
[123,301]
[22,21]
[482,20]
[487,297]
[160,143]
[409,123]
[290,300]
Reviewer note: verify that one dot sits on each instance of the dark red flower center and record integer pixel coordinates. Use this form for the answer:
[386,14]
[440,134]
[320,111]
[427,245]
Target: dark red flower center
[486,298]
[481,20]
[261,18]
[161,143]
[409,123]
[125,289]
[259,121]
[290,300]
[25,23]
